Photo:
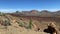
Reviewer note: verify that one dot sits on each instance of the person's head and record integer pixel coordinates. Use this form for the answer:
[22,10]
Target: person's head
[52,24]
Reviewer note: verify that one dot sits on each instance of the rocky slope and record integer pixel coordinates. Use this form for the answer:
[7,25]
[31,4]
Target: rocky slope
[12,25]
[21,22]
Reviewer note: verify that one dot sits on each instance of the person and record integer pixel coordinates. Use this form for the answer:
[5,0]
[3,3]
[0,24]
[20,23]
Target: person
[51,29]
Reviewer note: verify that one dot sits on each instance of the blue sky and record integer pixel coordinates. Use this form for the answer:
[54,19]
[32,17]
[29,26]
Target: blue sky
[13,5]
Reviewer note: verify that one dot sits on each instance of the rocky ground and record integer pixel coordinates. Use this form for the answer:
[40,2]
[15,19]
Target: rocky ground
[10,24]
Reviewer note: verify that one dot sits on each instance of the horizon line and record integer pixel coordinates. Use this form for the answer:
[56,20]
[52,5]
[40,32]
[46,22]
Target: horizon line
[14,10]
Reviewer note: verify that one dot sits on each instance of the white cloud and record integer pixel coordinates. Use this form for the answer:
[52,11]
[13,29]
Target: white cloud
[7,10]
[13,10]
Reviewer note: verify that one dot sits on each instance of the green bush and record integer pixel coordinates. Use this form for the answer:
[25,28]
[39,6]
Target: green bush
[1,13]
[23,24]
[20,23]
[6,23]
[30,24]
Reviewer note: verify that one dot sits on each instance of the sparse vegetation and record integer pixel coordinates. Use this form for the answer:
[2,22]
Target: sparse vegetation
[1,13]
[21,24]
[30,24]
[6,23]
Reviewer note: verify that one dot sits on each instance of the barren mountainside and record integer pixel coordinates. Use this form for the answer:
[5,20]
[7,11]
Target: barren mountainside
[28,21]
[43,13]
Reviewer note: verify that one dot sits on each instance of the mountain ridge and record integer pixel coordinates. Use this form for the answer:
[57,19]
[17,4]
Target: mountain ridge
[43,13]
